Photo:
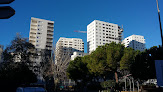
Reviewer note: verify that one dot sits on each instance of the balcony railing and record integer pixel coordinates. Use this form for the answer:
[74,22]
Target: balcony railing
[51,33]
[49,40]
[49,36]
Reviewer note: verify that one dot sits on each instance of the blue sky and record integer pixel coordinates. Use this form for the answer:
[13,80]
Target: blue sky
[137,16]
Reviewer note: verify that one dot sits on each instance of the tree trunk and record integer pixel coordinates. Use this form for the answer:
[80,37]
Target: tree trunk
[116,77]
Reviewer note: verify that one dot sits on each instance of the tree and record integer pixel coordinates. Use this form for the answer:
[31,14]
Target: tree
[15,71]
[143,67]
[114,55]
[15,74]
[20,50]
[97,61]
[127,60]
[77,70]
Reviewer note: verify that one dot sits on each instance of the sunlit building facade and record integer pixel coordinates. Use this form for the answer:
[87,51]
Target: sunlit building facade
[100,32]
[136,42]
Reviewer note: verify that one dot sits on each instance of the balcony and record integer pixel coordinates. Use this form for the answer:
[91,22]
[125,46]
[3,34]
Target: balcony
[33,21]
[33,33]
[33,25]
[50,25]
[50,33]
[50,29]
[32,37]
[31,41]
[49,40]
[33,28]
[49,37]
[49,45]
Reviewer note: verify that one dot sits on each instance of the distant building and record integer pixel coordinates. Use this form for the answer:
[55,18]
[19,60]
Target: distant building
[1,51]
[66,46]
[41,33]
[78,54]
[136,42]
[100,33]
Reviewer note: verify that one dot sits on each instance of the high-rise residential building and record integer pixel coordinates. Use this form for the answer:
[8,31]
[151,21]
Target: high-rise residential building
[136,42]
[100,33]
[41,33]
[66,46]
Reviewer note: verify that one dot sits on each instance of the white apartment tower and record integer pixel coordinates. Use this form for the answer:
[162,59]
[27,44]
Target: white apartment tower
[41,33]
[136,42]
[66,46]
[100,33]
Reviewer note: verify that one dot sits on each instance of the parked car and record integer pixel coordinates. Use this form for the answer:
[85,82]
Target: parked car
[30,89]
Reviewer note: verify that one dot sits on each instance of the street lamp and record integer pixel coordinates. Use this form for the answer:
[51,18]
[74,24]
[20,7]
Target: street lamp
[159,21]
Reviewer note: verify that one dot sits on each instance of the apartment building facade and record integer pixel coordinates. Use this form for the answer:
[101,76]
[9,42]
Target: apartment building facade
[41,33]
[100,33]
[66,46]
[136,42]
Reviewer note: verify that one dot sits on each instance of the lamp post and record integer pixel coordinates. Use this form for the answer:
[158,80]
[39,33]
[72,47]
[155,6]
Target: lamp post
[159,21]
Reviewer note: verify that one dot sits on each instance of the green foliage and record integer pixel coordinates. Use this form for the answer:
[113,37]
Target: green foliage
[104,61]
[144,66]
[114,55]
[77,70]
[108,84]
[21,49]
[128,58]
[97,61]
[14,75]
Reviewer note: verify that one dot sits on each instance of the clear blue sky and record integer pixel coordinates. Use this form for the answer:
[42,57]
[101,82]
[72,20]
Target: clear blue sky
[137,16]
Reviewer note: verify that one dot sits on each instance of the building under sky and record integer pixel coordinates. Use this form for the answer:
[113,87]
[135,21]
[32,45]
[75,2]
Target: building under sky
[66,46]
[137,17]
[41,33]
[100,32]
[136,42]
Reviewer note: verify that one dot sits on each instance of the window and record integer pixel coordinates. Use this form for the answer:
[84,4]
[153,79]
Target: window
[38,37]
[39,29]
[38,33]
[39,21]
[39,25]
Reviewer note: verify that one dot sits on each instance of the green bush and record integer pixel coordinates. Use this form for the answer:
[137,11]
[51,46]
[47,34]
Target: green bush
[108,84]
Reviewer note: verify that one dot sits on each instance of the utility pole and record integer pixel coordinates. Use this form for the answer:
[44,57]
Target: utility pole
[159,21]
